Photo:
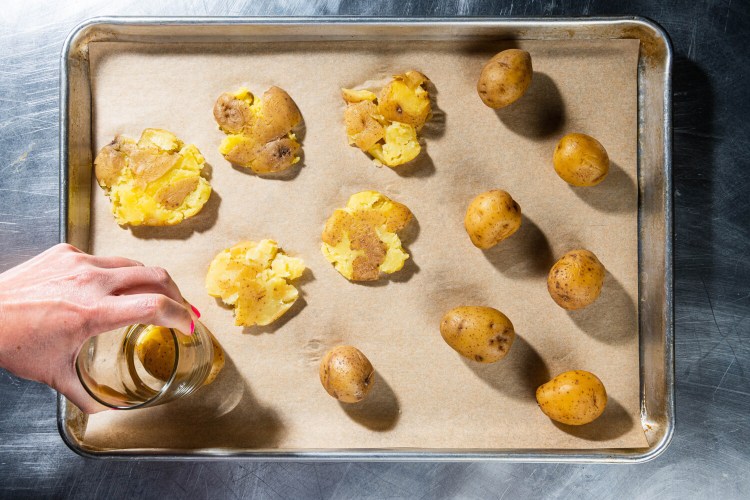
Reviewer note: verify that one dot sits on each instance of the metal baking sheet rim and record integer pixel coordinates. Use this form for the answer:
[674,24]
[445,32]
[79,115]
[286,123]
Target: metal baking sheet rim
[77,42]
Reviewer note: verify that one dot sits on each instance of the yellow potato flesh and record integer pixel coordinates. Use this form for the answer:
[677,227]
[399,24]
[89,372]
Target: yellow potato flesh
[360,240]
[254,279]
[386,125]
[139,200]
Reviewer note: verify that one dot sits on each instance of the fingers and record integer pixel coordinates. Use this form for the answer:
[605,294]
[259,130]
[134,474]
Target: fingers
[147,308]
[137,280]
[112,262]
[74,391]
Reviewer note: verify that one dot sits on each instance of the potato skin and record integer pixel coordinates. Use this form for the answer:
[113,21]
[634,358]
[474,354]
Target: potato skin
[575,281]
[491,217]
[575,397]
[346,374]
[481,334]
[505,78]
[580,160]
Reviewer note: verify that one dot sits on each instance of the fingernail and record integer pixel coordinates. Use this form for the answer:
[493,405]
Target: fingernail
[192,327]
[195,311]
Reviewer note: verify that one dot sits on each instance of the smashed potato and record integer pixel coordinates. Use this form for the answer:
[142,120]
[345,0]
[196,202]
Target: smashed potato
[254,278]
[346,374]
[156,351]
[259,131]
[576,397]
[153,182]
[360,239]
[386,125]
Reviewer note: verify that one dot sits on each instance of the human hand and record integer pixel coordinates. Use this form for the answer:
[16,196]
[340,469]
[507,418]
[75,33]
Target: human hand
[52,303]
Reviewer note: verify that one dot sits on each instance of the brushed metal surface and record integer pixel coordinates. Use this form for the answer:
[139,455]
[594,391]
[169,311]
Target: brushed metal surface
[709,455]
[654,187]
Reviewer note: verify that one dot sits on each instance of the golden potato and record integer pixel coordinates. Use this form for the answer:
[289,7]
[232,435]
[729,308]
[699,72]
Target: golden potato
[346,374]
[575,281]
[154,182]
[386,125]
[360,239]
[481,334]
[505,78]
[260,131]
[254,279]
[155,349]
[581,160]
[492,217]
[576,397]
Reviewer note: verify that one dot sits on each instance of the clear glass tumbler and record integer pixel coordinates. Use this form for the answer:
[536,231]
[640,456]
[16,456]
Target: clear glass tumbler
[118,372]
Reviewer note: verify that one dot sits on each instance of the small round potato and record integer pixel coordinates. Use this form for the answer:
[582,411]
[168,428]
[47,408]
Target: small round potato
[481,334]
[492,217]
[575,281]
[346,374]
[574,398]
[505,78]
[581,160]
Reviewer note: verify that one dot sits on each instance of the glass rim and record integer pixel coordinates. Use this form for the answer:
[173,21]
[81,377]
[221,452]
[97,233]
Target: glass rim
[150,400]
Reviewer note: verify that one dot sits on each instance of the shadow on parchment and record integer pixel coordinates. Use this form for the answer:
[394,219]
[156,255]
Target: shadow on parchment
[224,414]
[379,411]
[596,320]
[199,223]
[612,424]
[525,254]
[518,374]
[616,193]
[539,113]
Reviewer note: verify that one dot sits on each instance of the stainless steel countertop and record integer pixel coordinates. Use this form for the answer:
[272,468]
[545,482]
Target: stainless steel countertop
[709,456]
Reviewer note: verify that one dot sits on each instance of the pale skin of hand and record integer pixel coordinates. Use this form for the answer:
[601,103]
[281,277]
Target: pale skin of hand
[52,303]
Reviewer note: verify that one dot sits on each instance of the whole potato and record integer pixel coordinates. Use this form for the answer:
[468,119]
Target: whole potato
[505,78]
[481,334]
[575,398]
[492,217]
[581,160]
[575,281]
[346,374]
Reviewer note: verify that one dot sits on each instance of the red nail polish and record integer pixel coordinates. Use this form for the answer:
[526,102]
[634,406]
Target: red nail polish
[195,311]
[192,327]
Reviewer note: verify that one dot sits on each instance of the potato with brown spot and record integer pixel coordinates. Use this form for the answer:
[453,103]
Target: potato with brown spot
[360,239]
[260,131]
[575,281]
[346,374]
[492,217]
[575,397]
[482,334]
[505,78]
[580,160]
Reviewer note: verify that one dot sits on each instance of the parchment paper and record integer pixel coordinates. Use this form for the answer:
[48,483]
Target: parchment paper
[426,395]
